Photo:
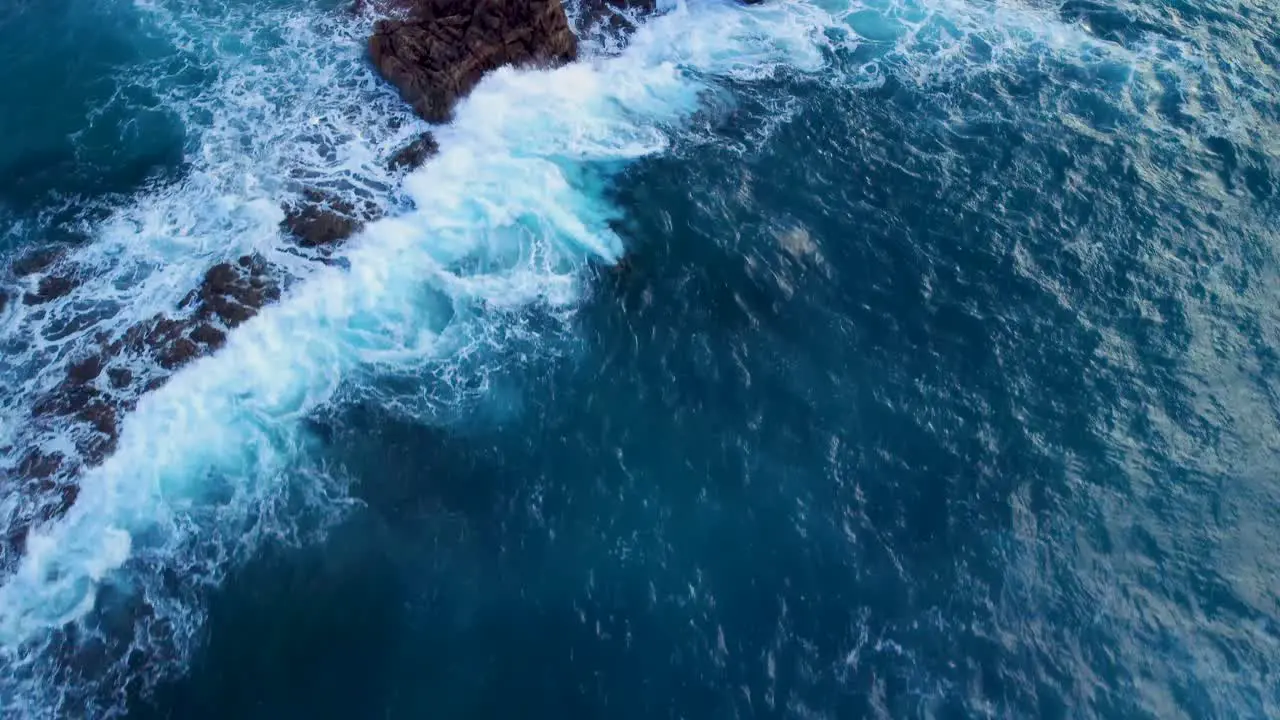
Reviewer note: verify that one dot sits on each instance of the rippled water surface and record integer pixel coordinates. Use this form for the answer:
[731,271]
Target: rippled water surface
[906,358]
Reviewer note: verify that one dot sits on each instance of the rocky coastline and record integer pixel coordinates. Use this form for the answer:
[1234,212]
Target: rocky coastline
[434,52]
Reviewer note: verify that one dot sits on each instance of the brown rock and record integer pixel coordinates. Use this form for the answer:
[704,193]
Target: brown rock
[178,353]
[415,153]
[234,293]
[86,370]
[36,261]
[436,56]
[51,288]
[37,465]
[66,399]
[209,335]
[120,377]
[101,416]
[321,218]
[611,16]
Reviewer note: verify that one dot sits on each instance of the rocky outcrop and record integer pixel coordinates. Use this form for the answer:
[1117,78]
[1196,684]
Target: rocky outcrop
[91,394]
[440,52]
[51,287]
[615,18]
[322,219]
[434,52]
[233,293]
[414,154]
[36,261]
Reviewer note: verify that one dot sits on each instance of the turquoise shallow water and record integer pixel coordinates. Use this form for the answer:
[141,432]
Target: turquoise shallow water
[939,380]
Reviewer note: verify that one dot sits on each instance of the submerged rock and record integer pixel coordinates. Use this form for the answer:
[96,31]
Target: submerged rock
[209,336]
[51,288]
[38,464]
[36,261]
[67,399]
[229,294]
[86,370]
[414,154]
[321,218]
[613,16]
[439,53]
[119,377]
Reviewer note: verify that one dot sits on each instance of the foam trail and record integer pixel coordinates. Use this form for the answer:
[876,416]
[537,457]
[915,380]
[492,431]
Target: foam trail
[504,216]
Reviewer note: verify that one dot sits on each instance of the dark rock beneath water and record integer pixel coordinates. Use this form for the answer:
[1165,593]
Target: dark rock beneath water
[101,415]
[611,16]
[177,353]
[66,399]
[51,288]
[150,335]
[86,370]
[120,377]
[4,300]
[209,336]
[38,464]
[229,294]
[415,153]
[67,494]
[438,54]
[36,261]
[321,218]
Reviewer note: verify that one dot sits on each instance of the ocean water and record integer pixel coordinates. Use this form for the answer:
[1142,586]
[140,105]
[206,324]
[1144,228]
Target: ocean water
[812,359]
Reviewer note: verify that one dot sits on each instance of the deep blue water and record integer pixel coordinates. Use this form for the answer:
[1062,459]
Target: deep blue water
[940,378]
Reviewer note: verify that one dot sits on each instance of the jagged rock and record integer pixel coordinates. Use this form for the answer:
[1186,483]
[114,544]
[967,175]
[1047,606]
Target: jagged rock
[178,353]
[209,336]
[67,494]
[150,336]
[51,288]
[321,218]
[608,15]
[86,370]
[235,293]
[36,261]
[66,399]
[229,294]
[415,153]
[440,52]
[38,464]
[101,415]
[120,377]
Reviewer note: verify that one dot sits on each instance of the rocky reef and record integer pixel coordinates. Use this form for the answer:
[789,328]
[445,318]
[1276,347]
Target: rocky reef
[434,52]
[437,54]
